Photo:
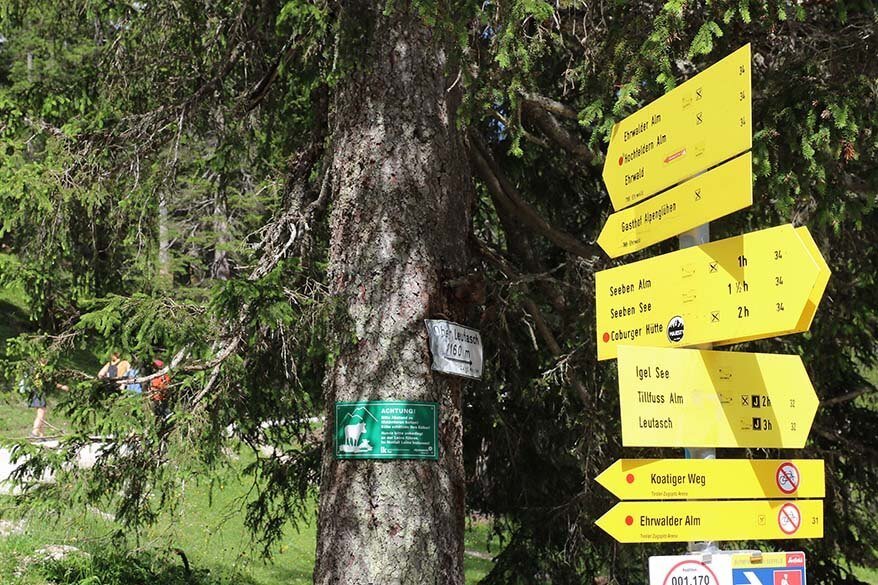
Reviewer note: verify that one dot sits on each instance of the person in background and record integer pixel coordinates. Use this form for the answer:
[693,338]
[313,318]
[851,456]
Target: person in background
[115,368]
[40,386]
[134,372]
[158,391]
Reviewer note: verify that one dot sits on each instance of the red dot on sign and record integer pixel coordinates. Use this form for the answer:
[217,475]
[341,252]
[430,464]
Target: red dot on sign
[606,337]
[620,161]
[630,478]
[629,520]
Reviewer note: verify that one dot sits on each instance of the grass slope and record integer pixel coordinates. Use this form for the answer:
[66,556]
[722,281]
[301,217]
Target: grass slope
[207,527]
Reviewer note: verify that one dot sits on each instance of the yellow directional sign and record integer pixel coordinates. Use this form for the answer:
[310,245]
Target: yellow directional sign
[822,280]
[700,398]
[751,286]
[706,479]
[708,520]
[695,126]
[714,194]
[813,299]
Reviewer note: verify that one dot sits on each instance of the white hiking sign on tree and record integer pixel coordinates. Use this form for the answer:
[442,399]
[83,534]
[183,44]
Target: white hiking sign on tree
[457,350]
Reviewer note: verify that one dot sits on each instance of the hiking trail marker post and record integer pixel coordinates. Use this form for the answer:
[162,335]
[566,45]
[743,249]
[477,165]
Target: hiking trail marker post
[671,168]
[737,568]
[716,193]
[682,521]
[695,237]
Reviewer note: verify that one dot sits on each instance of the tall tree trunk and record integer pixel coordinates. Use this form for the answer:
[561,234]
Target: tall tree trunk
[220,268]
[402,197]
[166,277]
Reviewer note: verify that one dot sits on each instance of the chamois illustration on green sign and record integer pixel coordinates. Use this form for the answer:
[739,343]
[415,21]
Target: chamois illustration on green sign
[386,429]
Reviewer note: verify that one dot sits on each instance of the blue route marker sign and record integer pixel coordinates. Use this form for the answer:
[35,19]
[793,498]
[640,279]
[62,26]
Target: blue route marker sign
[786,568]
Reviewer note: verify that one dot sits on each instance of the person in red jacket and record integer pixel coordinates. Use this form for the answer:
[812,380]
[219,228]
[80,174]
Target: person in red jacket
[158,391]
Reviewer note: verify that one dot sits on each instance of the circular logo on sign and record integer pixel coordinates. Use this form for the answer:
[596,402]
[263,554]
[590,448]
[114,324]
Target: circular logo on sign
[675,328]
[789,519]
[787,477]
[690,572]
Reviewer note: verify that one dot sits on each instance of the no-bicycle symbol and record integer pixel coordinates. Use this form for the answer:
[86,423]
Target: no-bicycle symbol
[788,478]
[789,519]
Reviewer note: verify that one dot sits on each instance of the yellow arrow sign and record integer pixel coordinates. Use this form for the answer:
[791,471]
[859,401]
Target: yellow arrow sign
[724,520]
[822,280]
[693,127]
[813,299]
[716,193]
[751,286]
[706,479]
[699,398]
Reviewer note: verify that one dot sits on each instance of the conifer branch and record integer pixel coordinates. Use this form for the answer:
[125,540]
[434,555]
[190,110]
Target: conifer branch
[551,106]
[503,193]
[260,90]
[533,309]
[852,395]
[552,128]
[838,437]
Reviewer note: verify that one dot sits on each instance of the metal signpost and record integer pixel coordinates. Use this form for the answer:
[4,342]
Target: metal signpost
[714,479]
[739,568]
[783,568]
[751,286]
[694,127]
[683,521]
[716,193]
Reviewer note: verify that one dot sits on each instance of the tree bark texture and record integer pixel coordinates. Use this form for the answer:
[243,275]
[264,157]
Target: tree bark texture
[220,268]
[402,197]
[166,276]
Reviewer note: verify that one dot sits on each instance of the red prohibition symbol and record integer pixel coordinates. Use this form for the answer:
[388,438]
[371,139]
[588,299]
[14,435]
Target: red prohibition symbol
[788,478]
[683,565]
[789,519]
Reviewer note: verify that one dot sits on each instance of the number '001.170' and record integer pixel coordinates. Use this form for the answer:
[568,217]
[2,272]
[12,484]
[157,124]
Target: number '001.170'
[691,580]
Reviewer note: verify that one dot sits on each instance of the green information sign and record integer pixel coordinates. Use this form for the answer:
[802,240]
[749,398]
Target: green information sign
[386,429]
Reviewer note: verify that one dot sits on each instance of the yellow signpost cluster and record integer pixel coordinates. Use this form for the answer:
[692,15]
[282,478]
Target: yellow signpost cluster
[714,520]
[713,479]
[680,162]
